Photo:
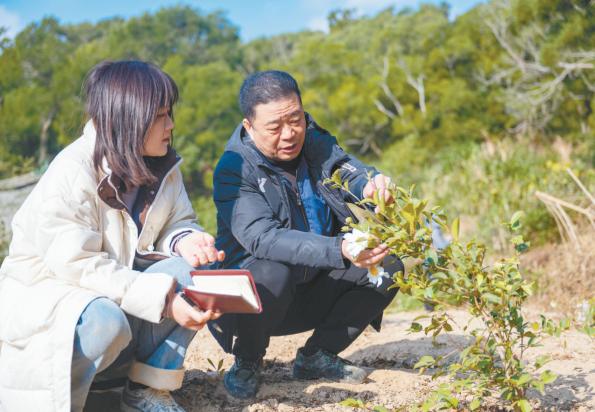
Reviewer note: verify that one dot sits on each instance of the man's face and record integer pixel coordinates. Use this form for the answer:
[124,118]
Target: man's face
[278,128]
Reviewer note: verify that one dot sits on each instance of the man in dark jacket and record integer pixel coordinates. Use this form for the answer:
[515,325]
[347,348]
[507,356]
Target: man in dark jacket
[277,218]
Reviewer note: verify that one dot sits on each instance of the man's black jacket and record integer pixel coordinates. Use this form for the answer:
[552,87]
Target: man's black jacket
[255,217]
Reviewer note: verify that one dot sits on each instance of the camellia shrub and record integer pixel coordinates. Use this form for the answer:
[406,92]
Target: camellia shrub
[493,363]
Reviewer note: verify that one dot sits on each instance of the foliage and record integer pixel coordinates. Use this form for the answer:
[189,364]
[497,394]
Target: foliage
[497,177]
[587,317]
[458,275]
[205,211]
[218,368]
[359,404]
[3,242]
[411,90]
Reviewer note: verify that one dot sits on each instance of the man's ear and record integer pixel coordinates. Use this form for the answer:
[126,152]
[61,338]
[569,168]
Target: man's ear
[247,125]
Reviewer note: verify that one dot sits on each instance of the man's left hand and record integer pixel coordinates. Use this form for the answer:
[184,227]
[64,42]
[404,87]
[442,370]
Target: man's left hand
[198,249]
[380,184]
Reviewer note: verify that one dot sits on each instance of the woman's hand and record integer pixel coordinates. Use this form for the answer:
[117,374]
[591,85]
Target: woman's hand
[198,249]
[188,316]
[367,257]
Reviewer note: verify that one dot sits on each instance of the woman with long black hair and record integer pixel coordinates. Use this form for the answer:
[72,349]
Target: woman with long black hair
[100,250]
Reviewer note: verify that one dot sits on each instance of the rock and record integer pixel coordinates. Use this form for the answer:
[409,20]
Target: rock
[282,407]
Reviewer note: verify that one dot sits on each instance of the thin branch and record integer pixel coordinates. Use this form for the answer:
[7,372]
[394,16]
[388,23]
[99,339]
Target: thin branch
[417,84]
[580,184]
[384,86]
[544,197]
[383,109]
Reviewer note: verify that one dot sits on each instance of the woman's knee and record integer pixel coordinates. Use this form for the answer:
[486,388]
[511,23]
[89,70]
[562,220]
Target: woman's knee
[102,328]
[176,267]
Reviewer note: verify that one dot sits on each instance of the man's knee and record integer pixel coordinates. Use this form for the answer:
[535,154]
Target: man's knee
[272,277]
[392,265]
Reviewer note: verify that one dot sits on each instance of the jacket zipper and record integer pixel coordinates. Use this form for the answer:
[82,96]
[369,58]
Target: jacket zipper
[151,208]
[303,212]
[133,243]
[300,207]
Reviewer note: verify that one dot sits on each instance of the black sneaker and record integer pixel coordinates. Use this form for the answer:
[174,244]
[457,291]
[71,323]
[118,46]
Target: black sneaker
[324,364]
[242,379]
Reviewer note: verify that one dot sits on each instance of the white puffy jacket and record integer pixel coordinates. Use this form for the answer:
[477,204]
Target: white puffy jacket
[72,242]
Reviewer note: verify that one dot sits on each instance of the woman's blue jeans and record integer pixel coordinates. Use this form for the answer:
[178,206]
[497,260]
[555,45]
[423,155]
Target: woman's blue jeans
[107,340]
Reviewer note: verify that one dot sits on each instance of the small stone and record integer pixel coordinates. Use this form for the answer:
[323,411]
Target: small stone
[282,407]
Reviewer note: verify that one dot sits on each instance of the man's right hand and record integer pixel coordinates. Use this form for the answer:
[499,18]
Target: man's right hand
[367,257]
[187,315]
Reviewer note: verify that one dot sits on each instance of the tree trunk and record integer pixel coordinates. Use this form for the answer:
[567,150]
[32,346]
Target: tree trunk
[44,137]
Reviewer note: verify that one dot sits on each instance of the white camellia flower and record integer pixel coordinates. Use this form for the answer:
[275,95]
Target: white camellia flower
[375,275]
[357,241]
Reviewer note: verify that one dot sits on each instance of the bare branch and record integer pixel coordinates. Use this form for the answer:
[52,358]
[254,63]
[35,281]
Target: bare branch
[532,90]
[389,94]
[583,188]
[417,84]
[383,109]
[499,27]
[589,85]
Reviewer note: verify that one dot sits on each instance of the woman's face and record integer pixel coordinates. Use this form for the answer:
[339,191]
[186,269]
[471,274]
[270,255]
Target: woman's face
[159,136]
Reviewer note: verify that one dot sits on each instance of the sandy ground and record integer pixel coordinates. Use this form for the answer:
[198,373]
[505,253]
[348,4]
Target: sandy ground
[393,383]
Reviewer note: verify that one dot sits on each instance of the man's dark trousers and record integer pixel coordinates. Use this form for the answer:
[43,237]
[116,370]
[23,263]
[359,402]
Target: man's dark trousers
[338,304]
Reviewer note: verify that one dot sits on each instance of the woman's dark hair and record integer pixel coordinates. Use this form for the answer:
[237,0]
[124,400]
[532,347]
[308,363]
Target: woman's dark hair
[122,99]
[264,87]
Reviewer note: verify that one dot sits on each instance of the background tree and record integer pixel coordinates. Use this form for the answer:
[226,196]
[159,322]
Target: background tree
[490,104]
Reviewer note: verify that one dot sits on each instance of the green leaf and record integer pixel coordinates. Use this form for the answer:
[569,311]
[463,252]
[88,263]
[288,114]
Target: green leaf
[379,408]
[524,405]
[429,293]
[547,377]
[454,229]
[361,214]
[541,360]
[565,324]
[490,297]
[515,220]
[475,403]
[452,401]
[524,379]
[424,362]
[352,403]
[522,247]
[415,327]
[431,256]
[439,275]
[537,384]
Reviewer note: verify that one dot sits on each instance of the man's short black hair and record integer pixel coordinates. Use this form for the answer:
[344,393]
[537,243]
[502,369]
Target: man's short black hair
[264,87]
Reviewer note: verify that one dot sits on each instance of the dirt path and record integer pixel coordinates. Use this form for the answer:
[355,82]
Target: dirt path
[393,383]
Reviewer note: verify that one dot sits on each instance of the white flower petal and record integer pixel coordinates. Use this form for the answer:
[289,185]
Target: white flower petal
[375,275]
[357,241]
